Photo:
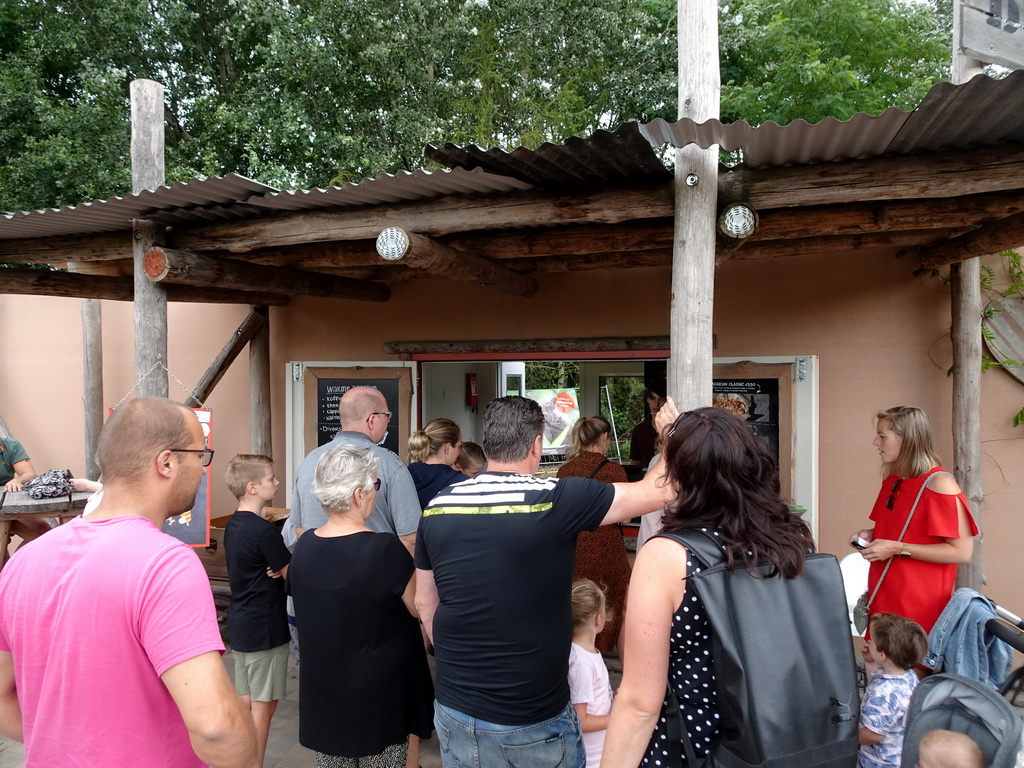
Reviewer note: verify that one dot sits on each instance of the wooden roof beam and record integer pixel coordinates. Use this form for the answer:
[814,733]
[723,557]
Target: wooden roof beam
[41,282]
[927,176]
[433,257]
[184,268]
[999,236]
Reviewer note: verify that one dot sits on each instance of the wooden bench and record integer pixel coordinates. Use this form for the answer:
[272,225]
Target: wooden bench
[21,506]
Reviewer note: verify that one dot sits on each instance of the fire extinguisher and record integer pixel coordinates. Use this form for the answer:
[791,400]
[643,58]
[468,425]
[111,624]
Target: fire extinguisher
[472,398]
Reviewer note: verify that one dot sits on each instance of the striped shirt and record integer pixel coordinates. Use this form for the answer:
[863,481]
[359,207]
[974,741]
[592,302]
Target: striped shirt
[502,548]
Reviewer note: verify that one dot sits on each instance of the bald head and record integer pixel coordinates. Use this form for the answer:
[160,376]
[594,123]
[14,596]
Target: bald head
[137,432]
[356,407]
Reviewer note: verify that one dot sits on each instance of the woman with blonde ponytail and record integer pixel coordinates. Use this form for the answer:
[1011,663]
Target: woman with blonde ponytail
[434,449]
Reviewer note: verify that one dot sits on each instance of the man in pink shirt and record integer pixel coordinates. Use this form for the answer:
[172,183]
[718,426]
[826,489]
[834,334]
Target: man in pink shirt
[109,647]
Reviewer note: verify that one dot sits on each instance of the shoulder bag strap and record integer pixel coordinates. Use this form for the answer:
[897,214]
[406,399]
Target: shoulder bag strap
[598,468]
[906,525]
[699,543]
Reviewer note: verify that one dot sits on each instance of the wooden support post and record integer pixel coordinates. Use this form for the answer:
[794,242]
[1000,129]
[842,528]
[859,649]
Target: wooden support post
[92,387]
[150,300]
[259,386]
[696,201]
[227,355]
[966,338]
[182,267]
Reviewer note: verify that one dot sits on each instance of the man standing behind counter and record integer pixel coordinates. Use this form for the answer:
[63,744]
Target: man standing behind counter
[108,624]
[494,567]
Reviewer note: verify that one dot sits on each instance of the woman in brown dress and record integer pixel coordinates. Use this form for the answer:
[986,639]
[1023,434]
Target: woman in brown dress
[600,555]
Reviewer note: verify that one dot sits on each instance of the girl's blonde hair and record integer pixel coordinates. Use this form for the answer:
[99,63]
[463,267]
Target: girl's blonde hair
[587,600]
[917,454]
[438,433]
[585,433]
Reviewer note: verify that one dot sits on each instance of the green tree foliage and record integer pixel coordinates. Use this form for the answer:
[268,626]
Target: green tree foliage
[788,59]
[306,93]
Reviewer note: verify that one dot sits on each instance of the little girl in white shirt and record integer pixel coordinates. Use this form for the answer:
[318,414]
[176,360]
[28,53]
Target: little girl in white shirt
[589,689]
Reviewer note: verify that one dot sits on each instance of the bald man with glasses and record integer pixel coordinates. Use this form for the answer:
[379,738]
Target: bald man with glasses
[364,421]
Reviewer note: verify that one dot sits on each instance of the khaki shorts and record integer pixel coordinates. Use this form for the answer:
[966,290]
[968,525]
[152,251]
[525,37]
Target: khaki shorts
[262,675]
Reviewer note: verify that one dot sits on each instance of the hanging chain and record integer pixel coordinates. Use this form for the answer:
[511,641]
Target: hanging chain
[159,364]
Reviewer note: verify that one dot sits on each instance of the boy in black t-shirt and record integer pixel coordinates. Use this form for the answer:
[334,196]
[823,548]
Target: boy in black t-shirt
[257,562]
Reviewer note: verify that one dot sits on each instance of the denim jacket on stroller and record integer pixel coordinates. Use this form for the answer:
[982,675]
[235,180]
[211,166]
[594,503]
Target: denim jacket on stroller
[960,643]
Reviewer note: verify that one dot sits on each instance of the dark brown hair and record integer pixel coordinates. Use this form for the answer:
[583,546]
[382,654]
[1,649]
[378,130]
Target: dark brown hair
[727,480]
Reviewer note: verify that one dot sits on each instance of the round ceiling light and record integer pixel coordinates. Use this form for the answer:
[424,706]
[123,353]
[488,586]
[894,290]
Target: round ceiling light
[392,244]
[737,220]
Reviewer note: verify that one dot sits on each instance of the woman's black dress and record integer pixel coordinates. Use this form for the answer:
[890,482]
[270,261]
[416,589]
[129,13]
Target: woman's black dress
[364,683]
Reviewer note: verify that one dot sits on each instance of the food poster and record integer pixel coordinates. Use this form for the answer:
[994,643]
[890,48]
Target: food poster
[193,527]
[757,401]
[561,409]
[328,400]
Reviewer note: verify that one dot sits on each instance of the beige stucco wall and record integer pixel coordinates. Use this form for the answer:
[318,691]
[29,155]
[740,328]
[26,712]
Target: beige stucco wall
[881,336]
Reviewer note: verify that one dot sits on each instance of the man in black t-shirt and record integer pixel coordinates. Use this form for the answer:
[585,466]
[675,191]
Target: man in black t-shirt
[494,560]
[257,561]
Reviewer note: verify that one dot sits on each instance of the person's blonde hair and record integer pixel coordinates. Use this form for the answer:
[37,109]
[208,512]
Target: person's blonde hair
[588,600]
[243,469]
[949,749]
[585,433]
[917,454]
[429,441]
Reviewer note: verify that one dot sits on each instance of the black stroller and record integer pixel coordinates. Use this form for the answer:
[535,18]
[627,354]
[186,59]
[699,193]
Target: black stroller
[956,703]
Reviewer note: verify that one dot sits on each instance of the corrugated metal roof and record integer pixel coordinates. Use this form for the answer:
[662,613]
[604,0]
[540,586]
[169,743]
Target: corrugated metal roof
[232,197]
[605,156]
[392,188]
[187,201]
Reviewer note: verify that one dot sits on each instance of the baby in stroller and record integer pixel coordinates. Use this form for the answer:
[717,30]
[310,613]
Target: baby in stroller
[946,749]
[947,702]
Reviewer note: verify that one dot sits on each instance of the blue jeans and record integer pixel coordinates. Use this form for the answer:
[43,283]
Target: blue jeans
[467,742]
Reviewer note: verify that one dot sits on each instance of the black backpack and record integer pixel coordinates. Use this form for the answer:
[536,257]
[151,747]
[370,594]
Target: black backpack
[784,664]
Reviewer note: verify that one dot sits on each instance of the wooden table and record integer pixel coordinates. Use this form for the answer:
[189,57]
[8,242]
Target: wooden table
[21,506]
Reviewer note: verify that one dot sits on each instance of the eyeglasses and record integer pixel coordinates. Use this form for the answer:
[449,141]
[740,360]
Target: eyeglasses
[205,454]
[379,413]
[892,493]
[376,484]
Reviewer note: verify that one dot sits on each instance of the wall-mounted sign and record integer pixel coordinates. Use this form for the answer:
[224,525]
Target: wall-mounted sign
[757,401]
[990,30]
[328,396]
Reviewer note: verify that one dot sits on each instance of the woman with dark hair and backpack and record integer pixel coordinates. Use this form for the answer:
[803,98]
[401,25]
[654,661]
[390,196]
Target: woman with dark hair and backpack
[728,486]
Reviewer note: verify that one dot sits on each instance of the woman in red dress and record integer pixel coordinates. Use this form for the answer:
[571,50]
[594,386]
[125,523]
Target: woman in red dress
[940,535]
[601,554]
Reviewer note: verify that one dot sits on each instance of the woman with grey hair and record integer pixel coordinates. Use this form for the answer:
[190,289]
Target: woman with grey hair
[364,684]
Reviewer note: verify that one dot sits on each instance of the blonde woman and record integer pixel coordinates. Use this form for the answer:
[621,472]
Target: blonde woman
[940,533]
[434,450]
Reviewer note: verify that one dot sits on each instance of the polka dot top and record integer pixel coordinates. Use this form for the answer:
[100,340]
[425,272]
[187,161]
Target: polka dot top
[692,676]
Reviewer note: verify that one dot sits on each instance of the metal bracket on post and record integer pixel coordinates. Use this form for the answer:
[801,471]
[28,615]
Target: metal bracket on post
[297,372]
[800,372]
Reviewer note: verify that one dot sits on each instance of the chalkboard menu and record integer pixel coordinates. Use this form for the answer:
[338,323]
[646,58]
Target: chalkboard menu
[757,401]
[328,397]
